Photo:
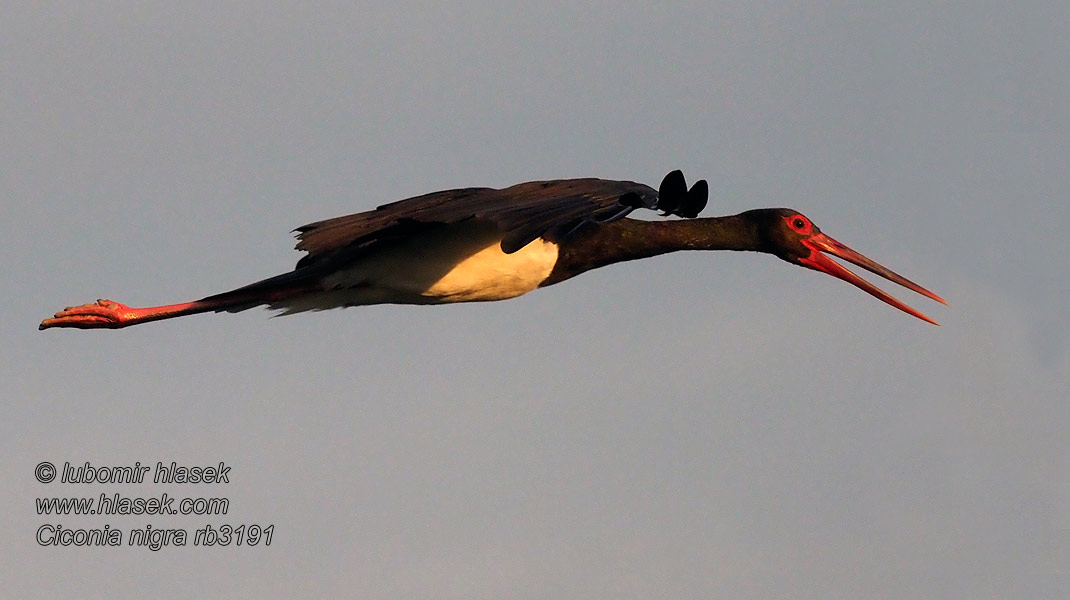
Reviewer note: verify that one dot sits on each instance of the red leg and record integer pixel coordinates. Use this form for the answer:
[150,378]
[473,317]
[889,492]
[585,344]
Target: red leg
[105,314]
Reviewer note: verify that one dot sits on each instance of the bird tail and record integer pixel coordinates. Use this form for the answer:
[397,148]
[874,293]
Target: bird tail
[268,291]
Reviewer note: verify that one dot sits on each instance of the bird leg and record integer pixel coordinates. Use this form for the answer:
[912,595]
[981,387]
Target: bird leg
[105,314]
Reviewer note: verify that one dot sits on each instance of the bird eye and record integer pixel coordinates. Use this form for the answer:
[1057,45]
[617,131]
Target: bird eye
[800,224]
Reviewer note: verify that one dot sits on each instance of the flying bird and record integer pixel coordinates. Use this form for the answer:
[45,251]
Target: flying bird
[482,244]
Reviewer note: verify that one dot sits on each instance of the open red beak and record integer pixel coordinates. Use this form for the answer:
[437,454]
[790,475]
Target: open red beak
[822,243]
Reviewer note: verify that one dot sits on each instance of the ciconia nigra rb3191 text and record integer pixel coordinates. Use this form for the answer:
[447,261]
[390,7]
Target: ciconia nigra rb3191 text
[481,244]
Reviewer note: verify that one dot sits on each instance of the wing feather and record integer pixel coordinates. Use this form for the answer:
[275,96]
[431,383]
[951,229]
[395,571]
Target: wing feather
[522,212]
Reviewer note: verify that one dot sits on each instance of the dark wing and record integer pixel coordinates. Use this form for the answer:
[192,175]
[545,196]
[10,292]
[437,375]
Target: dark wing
[523,212]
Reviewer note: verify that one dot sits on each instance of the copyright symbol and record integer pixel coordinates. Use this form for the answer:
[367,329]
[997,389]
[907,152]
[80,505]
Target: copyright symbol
[45,472]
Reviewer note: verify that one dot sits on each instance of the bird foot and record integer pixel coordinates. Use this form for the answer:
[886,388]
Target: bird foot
[102,314]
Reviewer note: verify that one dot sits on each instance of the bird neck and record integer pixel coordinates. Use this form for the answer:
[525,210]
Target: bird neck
[629,239]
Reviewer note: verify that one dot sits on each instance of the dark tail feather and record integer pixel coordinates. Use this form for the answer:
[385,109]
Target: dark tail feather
[265,291]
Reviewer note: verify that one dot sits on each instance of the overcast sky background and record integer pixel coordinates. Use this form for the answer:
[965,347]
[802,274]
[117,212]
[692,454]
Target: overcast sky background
[690,426]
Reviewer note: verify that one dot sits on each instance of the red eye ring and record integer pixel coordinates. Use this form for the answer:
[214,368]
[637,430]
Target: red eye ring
[799,224]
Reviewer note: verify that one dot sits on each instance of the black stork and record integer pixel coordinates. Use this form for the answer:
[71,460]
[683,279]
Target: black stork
[481,244]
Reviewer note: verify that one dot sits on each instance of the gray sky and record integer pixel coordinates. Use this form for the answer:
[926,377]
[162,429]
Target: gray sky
[693,426]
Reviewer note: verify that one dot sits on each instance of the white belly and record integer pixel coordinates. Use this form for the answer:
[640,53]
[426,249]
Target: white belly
[491,274]
[461,263]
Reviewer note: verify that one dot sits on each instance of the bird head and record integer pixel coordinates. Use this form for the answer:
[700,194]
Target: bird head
[793,237]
